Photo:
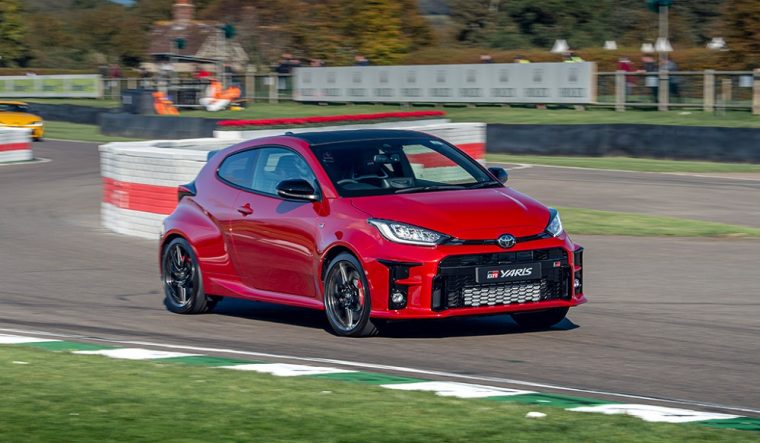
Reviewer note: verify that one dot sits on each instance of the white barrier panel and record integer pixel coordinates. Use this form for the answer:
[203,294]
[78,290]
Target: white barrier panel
[15,145]
[140,179]
[537,83]
[82,86]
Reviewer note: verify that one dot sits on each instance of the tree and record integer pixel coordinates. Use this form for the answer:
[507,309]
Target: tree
[741,29]
[12,48]
[474,19]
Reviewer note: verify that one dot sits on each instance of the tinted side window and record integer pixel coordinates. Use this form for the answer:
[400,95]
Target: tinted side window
[238,168]
[276,165]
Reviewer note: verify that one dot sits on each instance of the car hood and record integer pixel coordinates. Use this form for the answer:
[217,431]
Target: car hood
[465,214]
[17,118]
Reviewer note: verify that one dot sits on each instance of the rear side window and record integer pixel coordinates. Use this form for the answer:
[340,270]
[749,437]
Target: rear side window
[237,169]
[276,165]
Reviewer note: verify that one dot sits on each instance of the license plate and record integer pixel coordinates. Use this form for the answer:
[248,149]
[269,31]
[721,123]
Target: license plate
[496,274]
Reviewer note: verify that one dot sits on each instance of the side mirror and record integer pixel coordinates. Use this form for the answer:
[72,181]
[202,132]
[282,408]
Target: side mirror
[297,190]
[501,174]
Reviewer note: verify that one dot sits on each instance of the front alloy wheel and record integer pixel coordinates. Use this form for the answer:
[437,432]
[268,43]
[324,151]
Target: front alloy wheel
[181,276]
[347,300]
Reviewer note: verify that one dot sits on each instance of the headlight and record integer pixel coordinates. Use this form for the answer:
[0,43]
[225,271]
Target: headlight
[408,234]
[555,224]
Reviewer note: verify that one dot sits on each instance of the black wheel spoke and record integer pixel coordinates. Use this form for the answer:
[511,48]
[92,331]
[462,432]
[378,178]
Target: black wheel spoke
[345,296]
[179,273]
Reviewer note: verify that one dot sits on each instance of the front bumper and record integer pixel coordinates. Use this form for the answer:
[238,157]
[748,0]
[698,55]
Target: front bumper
[441,282]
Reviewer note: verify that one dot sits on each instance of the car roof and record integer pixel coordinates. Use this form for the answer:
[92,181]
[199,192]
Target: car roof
[11,102]
[354,135]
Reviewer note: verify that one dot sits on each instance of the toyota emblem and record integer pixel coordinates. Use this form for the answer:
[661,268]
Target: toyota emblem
[506,241]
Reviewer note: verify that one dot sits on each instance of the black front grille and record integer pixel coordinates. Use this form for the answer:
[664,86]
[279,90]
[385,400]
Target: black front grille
[503,258]
[455,286]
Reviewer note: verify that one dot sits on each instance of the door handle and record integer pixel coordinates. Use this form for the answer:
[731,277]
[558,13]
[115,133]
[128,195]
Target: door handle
[246,209]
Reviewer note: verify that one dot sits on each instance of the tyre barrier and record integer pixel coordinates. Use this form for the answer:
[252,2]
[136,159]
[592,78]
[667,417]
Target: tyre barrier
[140,179]
[15,145]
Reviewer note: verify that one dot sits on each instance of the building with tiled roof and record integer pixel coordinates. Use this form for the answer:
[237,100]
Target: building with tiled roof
[183,41]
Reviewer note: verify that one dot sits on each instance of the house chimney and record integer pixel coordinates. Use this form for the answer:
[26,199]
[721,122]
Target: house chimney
[183,11]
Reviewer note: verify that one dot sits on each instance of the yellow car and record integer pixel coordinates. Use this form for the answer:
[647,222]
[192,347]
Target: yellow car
[17,115]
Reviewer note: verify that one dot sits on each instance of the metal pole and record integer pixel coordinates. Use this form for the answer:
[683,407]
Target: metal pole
[708,99]
[756,93]
[620,92]
[664,92]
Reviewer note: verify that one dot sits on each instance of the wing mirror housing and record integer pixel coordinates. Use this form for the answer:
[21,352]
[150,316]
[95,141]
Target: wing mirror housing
[298,189]
[501,174]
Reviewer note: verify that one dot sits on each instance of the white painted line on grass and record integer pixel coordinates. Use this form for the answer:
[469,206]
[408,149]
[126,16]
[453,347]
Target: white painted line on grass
[657,414]
[135,353]
[454,389]
[19,339]
[401,369]
[286,370]
[33,161]
[581,168]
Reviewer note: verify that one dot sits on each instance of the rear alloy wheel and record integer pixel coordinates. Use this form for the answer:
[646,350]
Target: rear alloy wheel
[347,298]
[540,320]
[183,284]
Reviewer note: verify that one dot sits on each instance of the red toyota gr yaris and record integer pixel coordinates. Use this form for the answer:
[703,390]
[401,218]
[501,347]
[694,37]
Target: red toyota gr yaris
[367,225]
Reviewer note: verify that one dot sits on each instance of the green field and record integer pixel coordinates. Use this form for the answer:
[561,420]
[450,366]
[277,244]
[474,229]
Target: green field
[63,397]
[593,222]
[78,132]
[486,114]
[626,163]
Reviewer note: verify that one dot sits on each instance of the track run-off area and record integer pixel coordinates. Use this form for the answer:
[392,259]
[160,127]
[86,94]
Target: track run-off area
[671,321]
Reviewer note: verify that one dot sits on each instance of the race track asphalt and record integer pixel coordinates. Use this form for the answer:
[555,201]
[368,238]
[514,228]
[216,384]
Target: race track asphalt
[667,318]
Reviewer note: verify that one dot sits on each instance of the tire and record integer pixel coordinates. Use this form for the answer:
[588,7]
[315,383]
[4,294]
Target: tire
[539,320]
[182,280]
[347,299]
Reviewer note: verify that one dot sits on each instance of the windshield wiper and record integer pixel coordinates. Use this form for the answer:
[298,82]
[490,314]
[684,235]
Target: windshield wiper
[429,188]
[484,185]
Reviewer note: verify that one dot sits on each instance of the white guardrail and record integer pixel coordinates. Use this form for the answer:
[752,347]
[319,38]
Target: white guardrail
[140,179]
[15,145]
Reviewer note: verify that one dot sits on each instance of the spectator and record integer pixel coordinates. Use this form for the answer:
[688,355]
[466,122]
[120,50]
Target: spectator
[200,72]
[650,67]
[285,65]
[486,58]
[521,59]
[361,60]
[673,82]
[316,63]
[625,65]
[115,71]
[572,57]
[285,68]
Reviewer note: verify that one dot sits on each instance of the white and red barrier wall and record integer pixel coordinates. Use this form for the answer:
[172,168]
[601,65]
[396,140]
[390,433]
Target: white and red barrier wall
[140,179]
[15,145]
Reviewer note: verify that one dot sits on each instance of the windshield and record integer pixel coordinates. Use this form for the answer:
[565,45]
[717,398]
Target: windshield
[12,107]
[388,166]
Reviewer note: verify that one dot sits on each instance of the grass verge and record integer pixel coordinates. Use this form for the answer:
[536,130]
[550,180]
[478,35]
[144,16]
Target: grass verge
[626,163]
[496,114]
[594,222]
[487,114]
[63,397]
[78,132]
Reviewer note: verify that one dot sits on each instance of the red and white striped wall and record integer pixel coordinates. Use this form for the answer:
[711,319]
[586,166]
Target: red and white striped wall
[140,179]
[15,145]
